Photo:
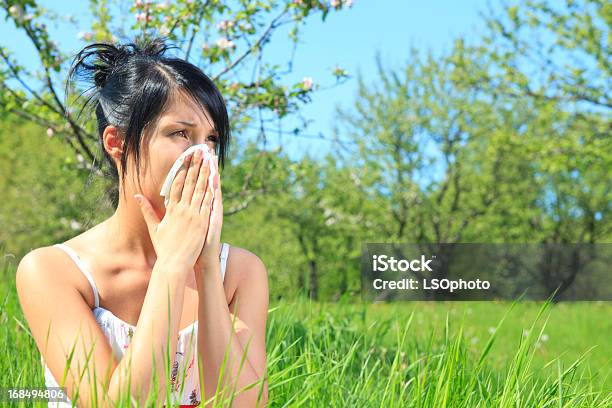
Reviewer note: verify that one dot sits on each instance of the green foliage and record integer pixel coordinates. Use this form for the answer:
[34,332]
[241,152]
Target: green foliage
[225,39]
[46,193]
[505,140]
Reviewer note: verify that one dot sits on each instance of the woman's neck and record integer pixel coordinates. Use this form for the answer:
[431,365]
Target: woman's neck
[127,231]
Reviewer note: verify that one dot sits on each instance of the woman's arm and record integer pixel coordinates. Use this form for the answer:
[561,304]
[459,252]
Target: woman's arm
[155,334]
[215,329]
[67,333]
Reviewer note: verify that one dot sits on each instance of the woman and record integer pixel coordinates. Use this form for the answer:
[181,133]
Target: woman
[112,304]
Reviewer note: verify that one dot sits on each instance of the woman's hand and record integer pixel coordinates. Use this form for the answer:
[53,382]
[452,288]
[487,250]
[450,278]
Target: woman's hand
[182,231]
[209,257]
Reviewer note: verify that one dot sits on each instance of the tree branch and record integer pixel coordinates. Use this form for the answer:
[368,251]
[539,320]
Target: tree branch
[263,37]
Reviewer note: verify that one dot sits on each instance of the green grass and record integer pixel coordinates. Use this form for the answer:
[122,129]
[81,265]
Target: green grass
[416,354]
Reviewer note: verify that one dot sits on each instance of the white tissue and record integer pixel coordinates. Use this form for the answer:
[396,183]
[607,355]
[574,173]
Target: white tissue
[165,191]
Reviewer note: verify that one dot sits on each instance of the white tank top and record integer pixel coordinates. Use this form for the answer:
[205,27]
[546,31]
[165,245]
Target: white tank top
[184,373]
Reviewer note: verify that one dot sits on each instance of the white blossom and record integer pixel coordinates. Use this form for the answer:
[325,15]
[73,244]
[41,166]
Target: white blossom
[75,225]
[330,221]
[16,11]
[225,25]
[246,26]
[50,132]
[307,83]
[82,35]
[224,43]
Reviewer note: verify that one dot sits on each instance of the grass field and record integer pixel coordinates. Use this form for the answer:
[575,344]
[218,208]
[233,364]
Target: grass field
[417,354]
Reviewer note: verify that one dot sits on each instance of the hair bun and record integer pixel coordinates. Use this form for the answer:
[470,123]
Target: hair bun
[96,62]
[154,48]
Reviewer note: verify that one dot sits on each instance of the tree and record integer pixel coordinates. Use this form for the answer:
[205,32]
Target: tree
[559,53]
[301,205]
[43,189]
[228,40]
[469,147]
[421,142]
[550,50]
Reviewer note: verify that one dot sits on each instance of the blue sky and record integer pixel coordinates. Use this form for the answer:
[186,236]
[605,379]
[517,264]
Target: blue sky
[349,38]
[352,37]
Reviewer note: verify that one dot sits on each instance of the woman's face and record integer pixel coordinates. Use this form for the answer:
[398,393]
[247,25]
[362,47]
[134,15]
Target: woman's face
[182,125]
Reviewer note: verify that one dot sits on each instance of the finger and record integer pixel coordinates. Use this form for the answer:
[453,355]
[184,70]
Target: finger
[206,204]
[218,202]
[150,216]
[218,186]
[216,216]
[192,177]
[176,188]
[202,185]
[216,220]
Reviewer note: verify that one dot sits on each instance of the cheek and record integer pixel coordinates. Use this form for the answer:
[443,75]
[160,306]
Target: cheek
[158,167]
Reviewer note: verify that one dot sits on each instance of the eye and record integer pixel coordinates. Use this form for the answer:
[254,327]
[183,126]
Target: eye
[214,139]
[179,132]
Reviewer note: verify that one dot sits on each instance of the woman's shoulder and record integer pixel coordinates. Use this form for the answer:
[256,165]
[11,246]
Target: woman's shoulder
[48,255]
[242,259]
[39,265]
[51,265]
[245,269]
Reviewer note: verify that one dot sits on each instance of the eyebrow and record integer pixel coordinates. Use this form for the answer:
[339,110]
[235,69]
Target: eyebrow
[186,123]
[191,124]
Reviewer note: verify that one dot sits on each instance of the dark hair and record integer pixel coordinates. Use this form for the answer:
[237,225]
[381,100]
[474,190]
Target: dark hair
[131,84]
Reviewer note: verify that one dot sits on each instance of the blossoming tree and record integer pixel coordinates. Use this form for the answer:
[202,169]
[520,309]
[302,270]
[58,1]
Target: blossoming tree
[226,39]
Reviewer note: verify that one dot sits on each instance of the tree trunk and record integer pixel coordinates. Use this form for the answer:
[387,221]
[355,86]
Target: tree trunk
[313,281]
[301,282]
